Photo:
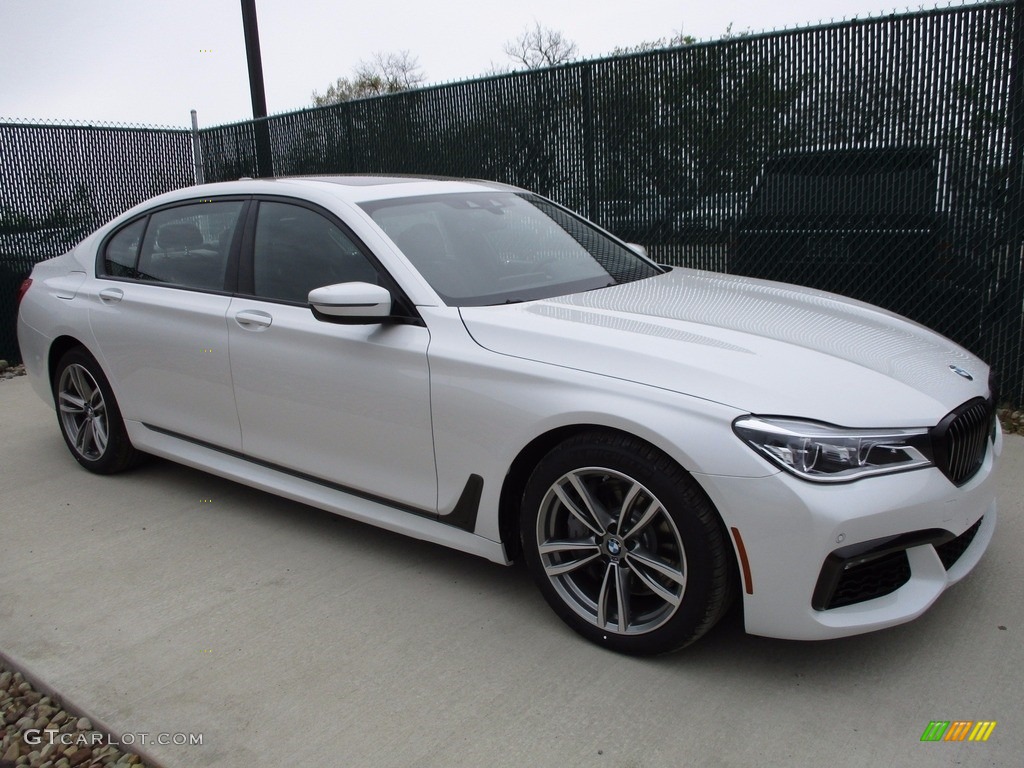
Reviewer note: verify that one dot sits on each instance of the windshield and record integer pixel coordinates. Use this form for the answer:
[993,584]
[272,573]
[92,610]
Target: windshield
[500,247]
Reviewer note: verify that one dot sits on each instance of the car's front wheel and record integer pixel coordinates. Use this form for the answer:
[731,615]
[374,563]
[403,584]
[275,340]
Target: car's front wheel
[624,545]
[89,418]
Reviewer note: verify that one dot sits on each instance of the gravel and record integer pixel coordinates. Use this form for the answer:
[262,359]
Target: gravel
[1012,420]
[8,371]
[37,731]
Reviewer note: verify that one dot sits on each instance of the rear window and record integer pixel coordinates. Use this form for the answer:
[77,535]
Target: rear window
[186,246]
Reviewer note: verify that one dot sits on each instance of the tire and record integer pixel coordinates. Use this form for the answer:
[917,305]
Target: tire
[89,418]
[624,545]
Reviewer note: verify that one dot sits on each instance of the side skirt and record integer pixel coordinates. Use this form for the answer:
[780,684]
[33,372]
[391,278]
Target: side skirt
[332,498]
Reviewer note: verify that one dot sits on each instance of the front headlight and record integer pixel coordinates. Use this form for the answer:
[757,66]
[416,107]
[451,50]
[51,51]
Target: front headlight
[826,453]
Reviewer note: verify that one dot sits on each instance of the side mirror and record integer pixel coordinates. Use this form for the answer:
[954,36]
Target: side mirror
[351,303]
[637,248]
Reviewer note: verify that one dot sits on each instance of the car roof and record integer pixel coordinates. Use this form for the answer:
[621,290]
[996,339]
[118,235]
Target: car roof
[353,189]
[350,188]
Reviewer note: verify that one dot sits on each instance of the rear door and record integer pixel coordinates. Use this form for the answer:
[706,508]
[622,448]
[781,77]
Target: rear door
[160,315]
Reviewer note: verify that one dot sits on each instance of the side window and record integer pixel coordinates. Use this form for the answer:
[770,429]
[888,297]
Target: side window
[297,250]
[122,254]
[189,245]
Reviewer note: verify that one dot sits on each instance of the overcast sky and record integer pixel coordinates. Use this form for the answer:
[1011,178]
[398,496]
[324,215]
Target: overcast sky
[151,61]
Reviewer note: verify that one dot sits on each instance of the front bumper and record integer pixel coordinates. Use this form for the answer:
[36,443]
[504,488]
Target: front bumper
[838,560]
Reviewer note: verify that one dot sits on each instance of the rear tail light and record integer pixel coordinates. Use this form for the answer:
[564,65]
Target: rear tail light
[22,290]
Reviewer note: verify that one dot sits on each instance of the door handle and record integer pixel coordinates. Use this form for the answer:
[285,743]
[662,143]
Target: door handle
[253,319]
[111,295]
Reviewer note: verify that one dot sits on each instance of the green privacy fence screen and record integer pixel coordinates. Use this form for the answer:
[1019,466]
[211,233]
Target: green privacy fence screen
[59,182]
[878,158]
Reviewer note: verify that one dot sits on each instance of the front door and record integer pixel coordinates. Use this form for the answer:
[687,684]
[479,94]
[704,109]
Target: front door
[345,404]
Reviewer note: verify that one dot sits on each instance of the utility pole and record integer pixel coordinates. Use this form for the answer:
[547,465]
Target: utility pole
[261,129]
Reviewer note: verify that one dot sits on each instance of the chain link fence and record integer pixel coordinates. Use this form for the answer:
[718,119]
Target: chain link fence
[878,158]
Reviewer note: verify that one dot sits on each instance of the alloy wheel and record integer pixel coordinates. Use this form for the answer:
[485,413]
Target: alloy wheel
[611,550]
[83,412]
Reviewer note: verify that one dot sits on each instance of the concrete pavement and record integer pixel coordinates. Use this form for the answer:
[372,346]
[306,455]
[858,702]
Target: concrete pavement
[169,601]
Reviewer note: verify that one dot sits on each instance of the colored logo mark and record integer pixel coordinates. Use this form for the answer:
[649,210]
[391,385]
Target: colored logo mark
[958,730]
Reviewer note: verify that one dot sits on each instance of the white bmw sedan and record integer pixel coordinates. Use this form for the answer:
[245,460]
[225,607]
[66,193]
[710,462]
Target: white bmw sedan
[473,365]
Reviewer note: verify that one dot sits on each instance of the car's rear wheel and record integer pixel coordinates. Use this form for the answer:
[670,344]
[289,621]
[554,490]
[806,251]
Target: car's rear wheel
[624,545]
[89,418]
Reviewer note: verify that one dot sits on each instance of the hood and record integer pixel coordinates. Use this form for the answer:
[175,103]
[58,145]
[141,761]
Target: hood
[758,346]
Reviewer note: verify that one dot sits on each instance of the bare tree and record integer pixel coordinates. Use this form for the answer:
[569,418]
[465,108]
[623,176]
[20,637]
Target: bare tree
[540,47]
[384,73]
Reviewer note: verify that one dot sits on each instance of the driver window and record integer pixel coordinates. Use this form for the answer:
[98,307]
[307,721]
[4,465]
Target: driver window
[297,250]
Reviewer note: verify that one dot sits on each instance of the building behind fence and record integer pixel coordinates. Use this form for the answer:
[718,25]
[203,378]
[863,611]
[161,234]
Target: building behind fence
[878,158]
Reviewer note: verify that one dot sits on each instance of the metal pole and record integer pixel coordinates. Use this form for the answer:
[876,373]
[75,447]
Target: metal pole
[197,152]
[589,150]
[261,130]
[255,61]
